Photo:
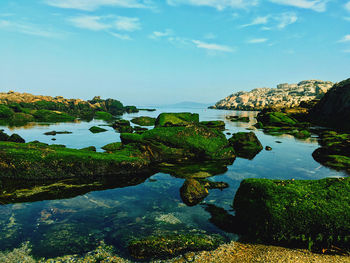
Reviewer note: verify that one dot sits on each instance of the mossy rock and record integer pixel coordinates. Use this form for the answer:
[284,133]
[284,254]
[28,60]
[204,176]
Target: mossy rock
[19,119]
[246,144]
[193,192]
[5,112]
[52,116]
[222,219]
[89,149]
[193,142]
[13,138]
[214,124]
[112,147]
[309,213]
[96,129]
[102,115]
[238,119]
[276,119]
[144,121]
[176,119]
[122,126]
[172,245]
[35,161]
[139,129]
[131,109]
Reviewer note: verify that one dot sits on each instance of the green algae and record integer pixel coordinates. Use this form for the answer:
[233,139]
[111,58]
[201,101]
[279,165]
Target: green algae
[52,116]
[102,115]
[214,124]
[193,192]
[96,129]
[176,119]
[246,144]
[144,121]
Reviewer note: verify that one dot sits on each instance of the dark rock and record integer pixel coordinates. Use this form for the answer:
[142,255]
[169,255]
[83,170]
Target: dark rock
[268,148]
[193,192]
[96,129]
[214,124]
[89,149]
[176,119]
[246,144]
[144,121]
[16,138]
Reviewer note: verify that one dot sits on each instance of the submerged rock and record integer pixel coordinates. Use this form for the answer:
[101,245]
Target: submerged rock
[122,126]
[172,245]
[89,149]
[53,133]
[102,115]
[246,144]
[310,213]
[238,118]
[144,121]
[176,119]
[214,124]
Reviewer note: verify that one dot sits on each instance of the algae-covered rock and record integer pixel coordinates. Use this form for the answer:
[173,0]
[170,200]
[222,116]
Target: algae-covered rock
[139,130]
[275,119]
[221,218]
[53,133]
[16,138]
[193,142]
[144,121]
[34,161]
[335,150]
[309,213]
[193,192]
[246,144]
[52,116]
[89,149]
[122,126]
[238,119]
[172,245]
[214,124]
[112,147]
[176,119]
[96,129]
[102,115]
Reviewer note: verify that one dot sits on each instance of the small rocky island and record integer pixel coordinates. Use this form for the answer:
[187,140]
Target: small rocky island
[285,95]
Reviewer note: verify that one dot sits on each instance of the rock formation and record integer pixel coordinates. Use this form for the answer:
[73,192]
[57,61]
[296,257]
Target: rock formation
[285,95]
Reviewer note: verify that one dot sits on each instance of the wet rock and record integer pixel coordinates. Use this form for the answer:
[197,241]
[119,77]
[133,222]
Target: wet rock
[193,192]
[122,126]
[238,118]
[220,125]
[246,144]
[112,147]
[268,148]
[89,149]
[53,133]
[222,219]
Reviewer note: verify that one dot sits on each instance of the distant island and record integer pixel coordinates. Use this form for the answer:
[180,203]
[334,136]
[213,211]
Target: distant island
[284,96]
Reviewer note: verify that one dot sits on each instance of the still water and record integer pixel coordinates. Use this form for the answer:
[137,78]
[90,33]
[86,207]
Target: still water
[154,206]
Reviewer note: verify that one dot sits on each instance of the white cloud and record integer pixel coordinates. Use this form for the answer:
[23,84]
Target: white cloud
[127,23]
[98,23]
[90,22]
[347,6]
[160,34]
[91,5]
[316,5]
[260,20]
[346,38]
[218,4]
[211,46]
[121,36]
[28,29]
[347,18]
[286,19]
[257,40]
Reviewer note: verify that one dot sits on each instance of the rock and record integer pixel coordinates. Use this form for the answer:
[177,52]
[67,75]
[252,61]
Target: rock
[53,139]
[268,148]
[314,214]
[112,147]
[4,136]
[102,115]
[52,116]
[53,133]
[96,129]
[333,110]
[131,109]
[193,192]
[214,124]
[176,119]
[285,95]
[222,219]
[246,144]
[144,121]
[335,150]
[238,118]
[16,138]
[172,245]
[122,126]
[89,149]
[139,130]
[275,119]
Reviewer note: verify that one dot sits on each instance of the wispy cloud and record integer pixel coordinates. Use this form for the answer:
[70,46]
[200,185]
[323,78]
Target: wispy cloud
[316,5]
[212,46]
[277,21]
[257,40]
[161,34]
[90,22]
[260,20]
[346,38]
[121,36]
[28,29]
[218,4]
[91,5]
[127,23]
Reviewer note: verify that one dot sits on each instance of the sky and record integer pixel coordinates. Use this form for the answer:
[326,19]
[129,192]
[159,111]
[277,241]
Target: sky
[146,52]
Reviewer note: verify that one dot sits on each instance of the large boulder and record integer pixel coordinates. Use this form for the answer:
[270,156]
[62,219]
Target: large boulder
[193,192]
[144,121]
[246,144]
[310,213]
[193,142]
[176,119]
[333,110]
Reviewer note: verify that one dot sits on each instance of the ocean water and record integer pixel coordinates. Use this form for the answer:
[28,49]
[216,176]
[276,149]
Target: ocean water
[149,207]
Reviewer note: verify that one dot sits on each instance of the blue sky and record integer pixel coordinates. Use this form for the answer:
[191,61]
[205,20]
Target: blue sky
[154,52]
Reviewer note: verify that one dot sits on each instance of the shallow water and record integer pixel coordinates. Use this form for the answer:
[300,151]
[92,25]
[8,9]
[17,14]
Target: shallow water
[76,225]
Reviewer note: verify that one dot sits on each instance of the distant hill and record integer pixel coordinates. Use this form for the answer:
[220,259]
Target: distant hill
[285,95]
[187,104]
